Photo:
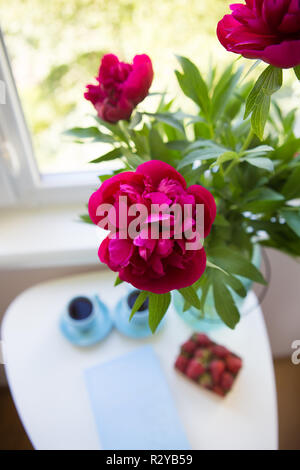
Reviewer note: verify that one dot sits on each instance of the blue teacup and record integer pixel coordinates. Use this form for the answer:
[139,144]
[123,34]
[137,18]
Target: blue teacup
[81,313]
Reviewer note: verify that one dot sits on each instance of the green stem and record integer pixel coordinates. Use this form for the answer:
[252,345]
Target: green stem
[230,166]
[247,141]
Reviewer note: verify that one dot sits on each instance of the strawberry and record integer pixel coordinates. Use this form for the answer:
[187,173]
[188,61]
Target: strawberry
[217,368]
[201,339]
[194,369]
[233,363]
[226,381]
[218,390]
[189,346]
[219,351]
[203,355]
[181,363]
[199,353]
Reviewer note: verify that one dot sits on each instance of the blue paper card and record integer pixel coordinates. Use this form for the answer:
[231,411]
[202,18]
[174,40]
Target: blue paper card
[132,404]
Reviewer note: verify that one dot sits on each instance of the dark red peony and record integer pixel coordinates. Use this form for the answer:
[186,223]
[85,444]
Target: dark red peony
[263,29]
[162,264]
[120,86]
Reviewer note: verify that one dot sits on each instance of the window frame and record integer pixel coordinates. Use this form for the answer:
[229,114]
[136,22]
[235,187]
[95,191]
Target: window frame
[21,184]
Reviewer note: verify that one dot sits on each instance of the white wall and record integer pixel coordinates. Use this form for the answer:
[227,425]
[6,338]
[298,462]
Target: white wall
[281,305]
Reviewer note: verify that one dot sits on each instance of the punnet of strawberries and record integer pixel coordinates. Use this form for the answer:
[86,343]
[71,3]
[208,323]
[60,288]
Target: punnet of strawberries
[209,364]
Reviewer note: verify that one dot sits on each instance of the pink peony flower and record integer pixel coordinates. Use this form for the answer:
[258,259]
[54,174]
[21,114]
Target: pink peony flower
[120,86]
[263,29]
[159,264]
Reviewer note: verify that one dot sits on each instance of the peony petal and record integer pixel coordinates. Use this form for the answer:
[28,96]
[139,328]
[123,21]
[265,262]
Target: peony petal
[103,251]
[157,266]
[120,252]
[203,196]
[158,198]
[137,85]
[157,170]
[174,278]
[108,189]
[164,247]
[284,55]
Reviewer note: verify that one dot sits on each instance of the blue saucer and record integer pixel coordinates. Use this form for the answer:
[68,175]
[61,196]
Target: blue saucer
[100,328]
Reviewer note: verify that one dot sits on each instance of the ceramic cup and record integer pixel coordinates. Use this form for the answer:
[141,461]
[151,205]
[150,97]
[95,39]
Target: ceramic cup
[81,313]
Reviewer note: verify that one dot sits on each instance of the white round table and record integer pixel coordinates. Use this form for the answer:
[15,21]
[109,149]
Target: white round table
[45,373]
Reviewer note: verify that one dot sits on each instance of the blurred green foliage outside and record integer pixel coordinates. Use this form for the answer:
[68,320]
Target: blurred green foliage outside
[55,48]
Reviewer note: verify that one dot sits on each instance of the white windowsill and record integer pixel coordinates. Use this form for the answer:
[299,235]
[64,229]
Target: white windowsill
[47,237]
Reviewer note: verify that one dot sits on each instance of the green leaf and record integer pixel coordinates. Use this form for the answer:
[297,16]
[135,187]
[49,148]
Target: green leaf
[209,264]
[168,118]
[224,304]
[236,285]
[259,151]
[113,128]
[267,83]
[235,263]
[104,177]
[133,159]
[287,151]
[135,120]
[225,157]
[86,219]
[221,221]
[89,133]
[292,218]
[205,287]
[158,149]
[138,302]
[260,115]
[192,84]
[118,281]
[297,71]
[224,90]
[112,155]
[186,306]
[291,188]
[260,162]
[253,66]
[262,199]
[189,294]
[208,153]
[201,143]
[259,99]
[158,306]
[179,145]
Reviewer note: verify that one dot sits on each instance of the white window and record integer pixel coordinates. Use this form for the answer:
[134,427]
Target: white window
[54,49]
[21,179]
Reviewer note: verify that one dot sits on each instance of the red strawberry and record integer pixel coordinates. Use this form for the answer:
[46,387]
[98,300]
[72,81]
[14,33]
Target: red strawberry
[181,363]
[233,363]
[217,368]
[218,390]
[189,346]
[203,355]
[199,353]
[205,380]
[201,339]
[226,381]
[194,369]
[219,351]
